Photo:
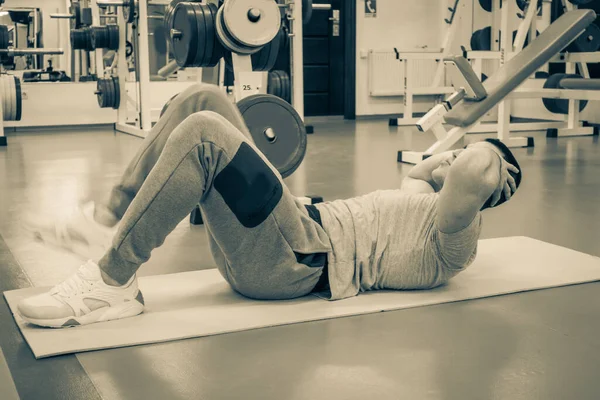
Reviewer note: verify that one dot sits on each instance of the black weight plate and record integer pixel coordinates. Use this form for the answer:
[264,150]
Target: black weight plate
[110,92]
[129,11]
[217,50]
[287,84]
[560,106]
[580,2]
[128,49]
[18,98]
[267,56]
[287,151]
[4,37]
[117,92]
[209,37]
[307,10]
[102,93]
[89,44]
[201,30]
[184,48]
[271,83]
[97,37]
[86,16]
[277,84]
[113,37]
[481,40]
[75,10]
[588,41]
[260,58]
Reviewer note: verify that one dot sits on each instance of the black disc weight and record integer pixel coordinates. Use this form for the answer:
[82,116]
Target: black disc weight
[281,136]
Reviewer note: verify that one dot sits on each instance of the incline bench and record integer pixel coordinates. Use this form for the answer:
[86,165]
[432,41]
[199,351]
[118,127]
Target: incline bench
[467,112]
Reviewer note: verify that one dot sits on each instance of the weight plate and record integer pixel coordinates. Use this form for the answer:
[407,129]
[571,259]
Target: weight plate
[580,2]
[287,150]
[277,84]
[217,49]
[117,92]
[113,36]
[11,98]
[201,34]
[265,59]
[481,40]
[238,20]
[129,11]
[19,97]
[128,49]
[227,40]
[185,42]
[588,41]
[100,93]
[5,98]
[4,37]
[560,106]
[287,86]
[75,10]
[307,10]
[86,16]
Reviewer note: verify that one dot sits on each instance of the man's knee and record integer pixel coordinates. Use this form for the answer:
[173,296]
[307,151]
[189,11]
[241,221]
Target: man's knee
[207,126]
[204,94]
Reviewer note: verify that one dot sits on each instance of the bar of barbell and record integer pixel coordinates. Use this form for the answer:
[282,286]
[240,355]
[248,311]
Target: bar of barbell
[111,3]
[62,16]
[25,52]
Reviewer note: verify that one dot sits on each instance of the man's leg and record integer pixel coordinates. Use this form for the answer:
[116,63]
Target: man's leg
[269,248]
[195,98]
[249,212]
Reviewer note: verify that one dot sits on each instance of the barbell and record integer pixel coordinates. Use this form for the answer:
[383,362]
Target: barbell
[565,81]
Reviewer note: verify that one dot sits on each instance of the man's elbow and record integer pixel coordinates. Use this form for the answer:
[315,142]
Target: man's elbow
[481,171]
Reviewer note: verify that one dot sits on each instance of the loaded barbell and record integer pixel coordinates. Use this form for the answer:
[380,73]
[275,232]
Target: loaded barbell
[108,92]
[556,81]
[8,53]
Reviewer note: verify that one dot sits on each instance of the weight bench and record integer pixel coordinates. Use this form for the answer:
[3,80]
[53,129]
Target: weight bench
[464,111]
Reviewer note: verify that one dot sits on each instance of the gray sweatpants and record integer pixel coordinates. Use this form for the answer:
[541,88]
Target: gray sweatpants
[200,152]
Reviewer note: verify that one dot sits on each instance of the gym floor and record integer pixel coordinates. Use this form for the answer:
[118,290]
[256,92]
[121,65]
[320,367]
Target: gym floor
[540,344]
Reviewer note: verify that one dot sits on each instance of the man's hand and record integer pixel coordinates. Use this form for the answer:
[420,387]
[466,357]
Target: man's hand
[507,184]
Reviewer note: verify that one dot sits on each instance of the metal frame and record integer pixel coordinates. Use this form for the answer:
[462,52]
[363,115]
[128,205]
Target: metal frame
[436,88]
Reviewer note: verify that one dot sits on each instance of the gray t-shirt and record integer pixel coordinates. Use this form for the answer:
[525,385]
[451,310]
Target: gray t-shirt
[389,240]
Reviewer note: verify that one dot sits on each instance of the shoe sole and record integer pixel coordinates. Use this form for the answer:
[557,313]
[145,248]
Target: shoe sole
[125,310]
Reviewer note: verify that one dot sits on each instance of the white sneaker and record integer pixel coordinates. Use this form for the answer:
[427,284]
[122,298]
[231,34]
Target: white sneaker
[79,233]
[83,299]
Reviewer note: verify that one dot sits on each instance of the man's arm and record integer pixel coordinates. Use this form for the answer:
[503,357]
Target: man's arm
[419,178]
[472,179]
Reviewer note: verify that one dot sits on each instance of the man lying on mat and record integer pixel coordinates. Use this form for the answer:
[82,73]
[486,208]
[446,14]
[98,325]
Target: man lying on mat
[265,242]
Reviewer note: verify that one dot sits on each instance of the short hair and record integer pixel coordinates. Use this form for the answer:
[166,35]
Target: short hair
[509,157]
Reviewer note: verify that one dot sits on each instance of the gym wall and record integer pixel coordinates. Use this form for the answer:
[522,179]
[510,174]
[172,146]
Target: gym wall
[408,25]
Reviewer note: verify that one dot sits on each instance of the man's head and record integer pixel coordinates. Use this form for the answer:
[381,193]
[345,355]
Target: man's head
[447,159]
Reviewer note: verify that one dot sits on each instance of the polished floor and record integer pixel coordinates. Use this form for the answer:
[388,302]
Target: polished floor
[536,345]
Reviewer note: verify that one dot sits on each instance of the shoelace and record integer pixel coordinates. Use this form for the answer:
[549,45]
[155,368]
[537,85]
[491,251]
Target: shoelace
[80,282]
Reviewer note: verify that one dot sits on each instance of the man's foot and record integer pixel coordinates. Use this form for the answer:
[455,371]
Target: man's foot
[78,233]
[83,299]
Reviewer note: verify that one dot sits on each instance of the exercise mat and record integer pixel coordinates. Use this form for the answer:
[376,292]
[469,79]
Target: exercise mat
[200,303]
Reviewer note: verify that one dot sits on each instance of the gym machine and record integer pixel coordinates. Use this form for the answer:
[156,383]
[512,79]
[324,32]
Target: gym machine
[11,95]
[474,99]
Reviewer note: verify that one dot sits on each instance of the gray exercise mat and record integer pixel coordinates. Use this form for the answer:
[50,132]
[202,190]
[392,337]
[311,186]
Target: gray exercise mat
[200,303]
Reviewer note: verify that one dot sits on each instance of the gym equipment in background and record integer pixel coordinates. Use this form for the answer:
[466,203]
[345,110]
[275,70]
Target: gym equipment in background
[108,92]
[128,7]
[464,115]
